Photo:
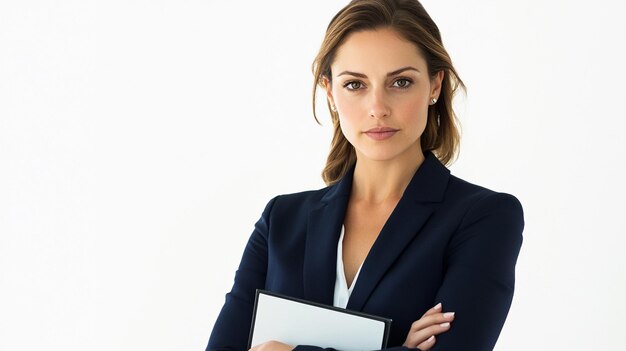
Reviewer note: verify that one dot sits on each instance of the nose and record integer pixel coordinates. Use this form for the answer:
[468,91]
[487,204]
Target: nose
[378,105]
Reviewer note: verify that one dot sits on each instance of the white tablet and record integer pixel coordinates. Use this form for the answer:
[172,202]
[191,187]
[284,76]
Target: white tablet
[296,321]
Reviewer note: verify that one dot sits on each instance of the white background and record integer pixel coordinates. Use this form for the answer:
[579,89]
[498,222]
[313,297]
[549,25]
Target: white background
[140,141]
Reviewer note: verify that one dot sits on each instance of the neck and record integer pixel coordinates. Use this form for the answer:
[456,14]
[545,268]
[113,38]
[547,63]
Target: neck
[377,181]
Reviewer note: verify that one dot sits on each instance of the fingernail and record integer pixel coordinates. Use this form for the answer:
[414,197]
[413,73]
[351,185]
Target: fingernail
[444,325]
[448,315]
[432,337]
[438,306]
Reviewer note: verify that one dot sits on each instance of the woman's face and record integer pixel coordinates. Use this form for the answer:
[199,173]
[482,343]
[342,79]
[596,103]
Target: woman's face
[379,80]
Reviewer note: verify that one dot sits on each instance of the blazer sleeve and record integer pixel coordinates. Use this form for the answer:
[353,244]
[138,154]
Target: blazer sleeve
[480,274]
[232,327]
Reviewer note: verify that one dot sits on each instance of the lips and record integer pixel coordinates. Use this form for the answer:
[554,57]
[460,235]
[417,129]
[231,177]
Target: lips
[381,130]
[381,133]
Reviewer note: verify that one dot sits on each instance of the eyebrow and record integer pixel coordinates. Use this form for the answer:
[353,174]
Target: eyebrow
[388,74]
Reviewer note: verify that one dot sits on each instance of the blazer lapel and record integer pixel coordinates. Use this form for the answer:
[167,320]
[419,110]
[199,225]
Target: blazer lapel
[323,231]
[425,189]
[418,202]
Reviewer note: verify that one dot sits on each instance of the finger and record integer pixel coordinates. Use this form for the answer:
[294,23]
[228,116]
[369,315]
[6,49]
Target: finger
[435,309]
[426,345]
[432,319]
[420,336]
[257,347]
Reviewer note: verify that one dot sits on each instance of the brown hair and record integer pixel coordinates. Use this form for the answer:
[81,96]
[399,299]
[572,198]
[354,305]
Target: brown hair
[409,19]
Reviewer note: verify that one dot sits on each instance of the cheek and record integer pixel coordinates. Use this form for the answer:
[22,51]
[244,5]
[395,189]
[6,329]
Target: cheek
[417,107]
[347,127]
[349,119]
[417,111]
[350,109]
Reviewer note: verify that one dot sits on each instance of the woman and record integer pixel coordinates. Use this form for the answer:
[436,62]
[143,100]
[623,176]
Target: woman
[393,234]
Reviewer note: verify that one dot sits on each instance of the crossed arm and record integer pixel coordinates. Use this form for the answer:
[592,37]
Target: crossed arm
[478,284]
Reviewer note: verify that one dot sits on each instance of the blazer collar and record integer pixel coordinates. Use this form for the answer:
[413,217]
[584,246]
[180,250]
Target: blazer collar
[427,185]
[426,188]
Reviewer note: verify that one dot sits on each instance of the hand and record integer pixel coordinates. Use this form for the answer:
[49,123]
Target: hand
[423,330]
[272,346]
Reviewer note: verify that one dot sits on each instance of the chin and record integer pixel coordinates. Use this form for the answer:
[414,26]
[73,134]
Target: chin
[379,155]
[385,152]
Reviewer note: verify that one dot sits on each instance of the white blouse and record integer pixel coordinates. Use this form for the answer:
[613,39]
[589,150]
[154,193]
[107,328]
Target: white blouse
[342,291]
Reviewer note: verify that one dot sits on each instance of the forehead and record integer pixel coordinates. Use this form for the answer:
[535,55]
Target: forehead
[376,52]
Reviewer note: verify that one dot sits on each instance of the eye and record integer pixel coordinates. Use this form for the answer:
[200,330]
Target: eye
[406,83]
[352,84]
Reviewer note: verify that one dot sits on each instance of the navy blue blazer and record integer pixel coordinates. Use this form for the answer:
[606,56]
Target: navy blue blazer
[447,241]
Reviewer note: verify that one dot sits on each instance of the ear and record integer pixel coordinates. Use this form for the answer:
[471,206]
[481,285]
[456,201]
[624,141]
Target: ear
[329,90]
[435,85]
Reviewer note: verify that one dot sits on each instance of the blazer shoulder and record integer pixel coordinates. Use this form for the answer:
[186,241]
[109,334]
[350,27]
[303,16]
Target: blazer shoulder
[297,203]
[465,191]
[304,197]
